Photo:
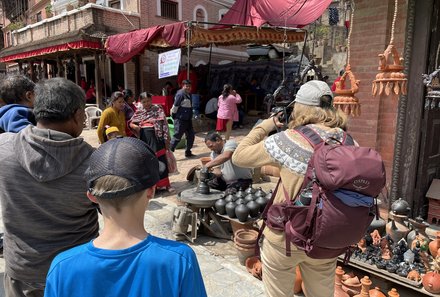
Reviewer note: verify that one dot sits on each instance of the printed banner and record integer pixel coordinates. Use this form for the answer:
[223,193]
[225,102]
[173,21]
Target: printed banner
[168,63]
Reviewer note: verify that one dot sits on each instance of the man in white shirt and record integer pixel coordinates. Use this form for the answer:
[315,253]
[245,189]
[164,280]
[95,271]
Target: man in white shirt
[232,177]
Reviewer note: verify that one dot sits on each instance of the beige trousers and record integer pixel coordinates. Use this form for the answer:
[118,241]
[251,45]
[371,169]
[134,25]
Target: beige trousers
[279,272]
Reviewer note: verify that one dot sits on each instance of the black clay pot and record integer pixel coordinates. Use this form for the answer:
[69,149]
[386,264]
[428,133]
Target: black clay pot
[250,190]
[391,267]
[262,202]
[240,193]
[220,206]
[254,208]
[269,195]
[242,212]
[381,264]
[260,193]
[400,207]
[230,209]
[230,198]
[240,201]
[379,224]
[249,197]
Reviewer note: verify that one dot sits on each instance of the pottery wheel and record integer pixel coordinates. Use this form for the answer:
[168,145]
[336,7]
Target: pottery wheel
[190,196]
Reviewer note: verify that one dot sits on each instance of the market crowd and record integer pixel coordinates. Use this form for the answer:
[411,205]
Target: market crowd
[53,185]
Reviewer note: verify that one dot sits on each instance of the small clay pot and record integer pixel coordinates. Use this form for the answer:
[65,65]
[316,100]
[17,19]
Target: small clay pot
[242,212]
[246,236]
[269,195]
[240,193]
[230,209]
[220,206]
[240,201]
[262,202]
[376,292]
[249,197]
[254,208]
[260,193]
[230,198]
[431,282]
[250,190]
[400,207]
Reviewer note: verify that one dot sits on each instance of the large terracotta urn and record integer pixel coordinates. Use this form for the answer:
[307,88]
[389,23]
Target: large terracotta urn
[435,245]
[431,282]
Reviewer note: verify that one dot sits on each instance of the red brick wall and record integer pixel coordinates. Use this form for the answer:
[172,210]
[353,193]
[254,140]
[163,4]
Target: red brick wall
[376,126]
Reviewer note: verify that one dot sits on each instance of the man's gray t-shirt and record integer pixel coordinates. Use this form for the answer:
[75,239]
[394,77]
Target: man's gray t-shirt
[230,171]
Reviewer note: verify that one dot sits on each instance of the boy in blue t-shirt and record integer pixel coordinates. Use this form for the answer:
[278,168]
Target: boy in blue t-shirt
[124,260]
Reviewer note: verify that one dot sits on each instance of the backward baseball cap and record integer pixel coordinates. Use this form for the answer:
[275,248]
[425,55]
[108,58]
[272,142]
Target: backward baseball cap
[311,92]
[125,157]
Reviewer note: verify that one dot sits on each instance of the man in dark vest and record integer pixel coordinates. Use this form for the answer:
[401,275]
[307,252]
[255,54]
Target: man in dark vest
[182,114]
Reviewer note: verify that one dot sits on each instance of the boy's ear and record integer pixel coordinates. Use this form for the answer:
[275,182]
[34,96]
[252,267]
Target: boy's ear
[92,198]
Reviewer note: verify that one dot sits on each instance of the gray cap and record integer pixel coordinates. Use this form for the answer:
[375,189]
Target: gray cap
[311,92]
[126,157]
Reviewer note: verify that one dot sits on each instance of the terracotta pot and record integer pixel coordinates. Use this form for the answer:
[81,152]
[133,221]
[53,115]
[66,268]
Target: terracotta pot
[205,160]
[431,282]
[243,254]
[246,236]
[253,266]
[366,283]
[376,292]
[393,293]
[339,292]
[397,228]
[352,286]
[435,245]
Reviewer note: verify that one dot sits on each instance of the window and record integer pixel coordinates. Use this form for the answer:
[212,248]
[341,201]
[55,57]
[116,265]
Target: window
[39,17]
[169,9]
[114,4]
[200,15]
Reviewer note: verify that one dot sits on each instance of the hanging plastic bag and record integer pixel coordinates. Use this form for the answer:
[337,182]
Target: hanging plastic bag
[171,162]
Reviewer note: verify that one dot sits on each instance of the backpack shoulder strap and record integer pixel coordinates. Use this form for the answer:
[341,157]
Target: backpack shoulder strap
[312,137]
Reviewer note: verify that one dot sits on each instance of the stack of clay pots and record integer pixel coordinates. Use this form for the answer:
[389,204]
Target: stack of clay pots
[245,241]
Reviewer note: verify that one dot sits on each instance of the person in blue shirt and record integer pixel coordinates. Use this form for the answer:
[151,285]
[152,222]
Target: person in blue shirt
[124,260]
[17,94]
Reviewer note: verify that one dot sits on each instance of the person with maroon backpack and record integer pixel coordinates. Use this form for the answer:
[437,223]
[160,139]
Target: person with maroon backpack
[290,150]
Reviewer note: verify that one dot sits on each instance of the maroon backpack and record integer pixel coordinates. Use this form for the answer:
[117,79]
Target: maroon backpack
[326,225]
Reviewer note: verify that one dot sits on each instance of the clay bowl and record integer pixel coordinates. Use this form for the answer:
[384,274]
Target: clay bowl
[253,266]
[246,236]
[205,160]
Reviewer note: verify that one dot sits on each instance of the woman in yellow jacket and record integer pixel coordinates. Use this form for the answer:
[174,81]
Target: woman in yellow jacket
[112,116]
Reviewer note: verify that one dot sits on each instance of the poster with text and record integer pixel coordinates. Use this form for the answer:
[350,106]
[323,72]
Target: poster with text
[169,63]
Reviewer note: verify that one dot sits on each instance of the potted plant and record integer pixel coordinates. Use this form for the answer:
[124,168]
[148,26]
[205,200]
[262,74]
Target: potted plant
[48,9]
[69,7]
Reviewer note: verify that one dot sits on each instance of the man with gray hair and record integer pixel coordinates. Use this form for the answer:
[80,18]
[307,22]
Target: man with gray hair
[17,95]
[42,189]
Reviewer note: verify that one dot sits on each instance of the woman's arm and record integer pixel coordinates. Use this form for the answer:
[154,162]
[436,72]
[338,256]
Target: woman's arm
[101,126]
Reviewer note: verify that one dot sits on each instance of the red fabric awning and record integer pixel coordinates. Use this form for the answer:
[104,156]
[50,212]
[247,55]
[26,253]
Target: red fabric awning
[122,47]
[289,13]
[52,49]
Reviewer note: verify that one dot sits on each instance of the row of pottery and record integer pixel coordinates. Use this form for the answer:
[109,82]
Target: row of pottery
[347,285]
[244,205]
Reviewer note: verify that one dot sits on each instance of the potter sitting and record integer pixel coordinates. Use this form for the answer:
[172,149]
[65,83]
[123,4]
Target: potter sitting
[230,177]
